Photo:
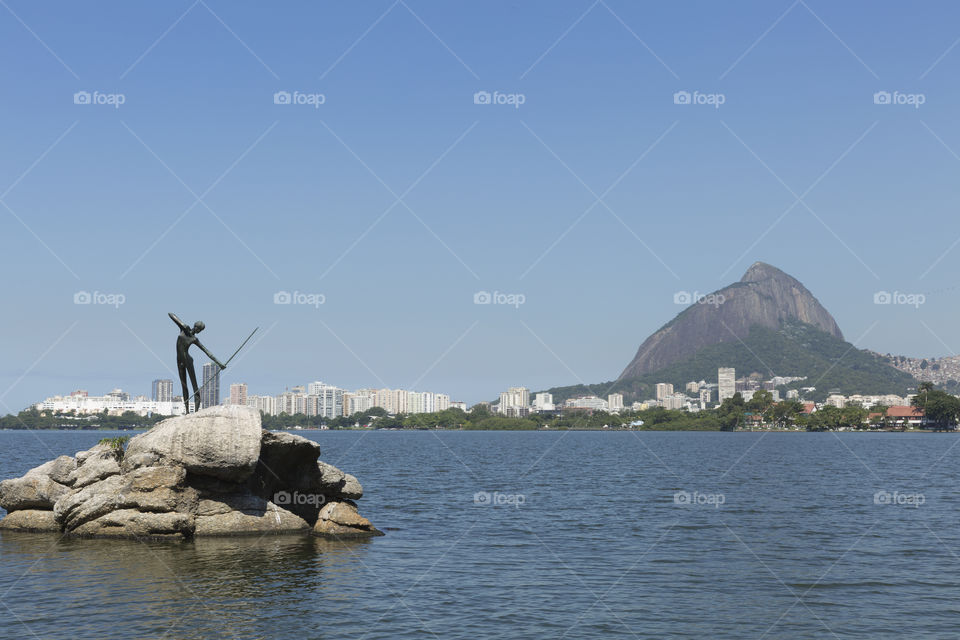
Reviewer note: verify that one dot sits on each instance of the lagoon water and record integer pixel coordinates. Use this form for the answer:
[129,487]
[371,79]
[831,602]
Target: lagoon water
[540,535]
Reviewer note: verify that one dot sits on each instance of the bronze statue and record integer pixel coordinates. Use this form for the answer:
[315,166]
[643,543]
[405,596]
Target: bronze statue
[187,338]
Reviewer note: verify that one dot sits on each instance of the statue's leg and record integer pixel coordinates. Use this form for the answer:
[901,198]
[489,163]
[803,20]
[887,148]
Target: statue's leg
[182,370]
[196,391]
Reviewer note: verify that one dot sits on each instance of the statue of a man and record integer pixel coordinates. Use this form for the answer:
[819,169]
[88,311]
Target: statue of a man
[187,338]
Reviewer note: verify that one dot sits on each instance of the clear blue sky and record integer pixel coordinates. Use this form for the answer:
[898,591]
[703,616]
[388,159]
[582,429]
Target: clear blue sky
[200,195]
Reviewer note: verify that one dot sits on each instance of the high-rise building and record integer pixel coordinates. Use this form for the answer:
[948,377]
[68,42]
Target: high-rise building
[238,393]
[210,394]
[266,404]
[674,401]
[727,382]
[162,390]
[664,389]
[705,395]
[693,387]
[323,400]
[514,397]
[615,401]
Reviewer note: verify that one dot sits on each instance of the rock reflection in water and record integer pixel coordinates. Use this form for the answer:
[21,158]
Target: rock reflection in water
[244,587]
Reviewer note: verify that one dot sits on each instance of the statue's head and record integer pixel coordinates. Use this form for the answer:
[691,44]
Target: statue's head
[198,326]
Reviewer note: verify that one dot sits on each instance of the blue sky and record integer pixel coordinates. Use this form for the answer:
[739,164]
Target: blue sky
[399,197]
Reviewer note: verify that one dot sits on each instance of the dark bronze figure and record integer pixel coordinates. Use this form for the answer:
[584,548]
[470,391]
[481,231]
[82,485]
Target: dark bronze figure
[187,338]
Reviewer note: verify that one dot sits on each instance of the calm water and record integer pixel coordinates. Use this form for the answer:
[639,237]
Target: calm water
[777,536]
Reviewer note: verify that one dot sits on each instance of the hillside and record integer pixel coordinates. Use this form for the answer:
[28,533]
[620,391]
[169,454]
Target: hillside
[794,349]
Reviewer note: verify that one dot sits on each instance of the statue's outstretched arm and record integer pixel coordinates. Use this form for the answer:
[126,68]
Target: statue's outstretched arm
[178,321]
[209,355]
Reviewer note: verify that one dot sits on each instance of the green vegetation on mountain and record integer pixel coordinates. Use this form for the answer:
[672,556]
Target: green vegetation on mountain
[830,364]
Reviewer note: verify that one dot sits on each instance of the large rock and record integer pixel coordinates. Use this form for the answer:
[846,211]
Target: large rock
[257,516]
[342,520]
[223,442]
[29,520]
[59,470]
[32,491]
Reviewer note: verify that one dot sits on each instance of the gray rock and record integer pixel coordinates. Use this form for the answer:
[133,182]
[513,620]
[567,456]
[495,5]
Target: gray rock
[148,489]
[95,467]
[131,523]
[29,520]
[88,503]
[223,442]
[32,491]
[58,470]
[330,476]
[268,519]
[352,488]
[81,456]
[218,505]
[342,520]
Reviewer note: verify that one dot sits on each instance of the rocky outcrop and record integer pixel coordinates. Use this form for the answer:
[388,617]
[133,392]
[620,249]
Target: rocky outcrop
[211,473]
[764,296]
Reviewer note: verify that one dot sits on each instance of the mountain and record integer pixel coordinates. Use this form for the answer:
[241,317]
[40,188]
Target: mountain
[792,349]
[767,323]
[765,296]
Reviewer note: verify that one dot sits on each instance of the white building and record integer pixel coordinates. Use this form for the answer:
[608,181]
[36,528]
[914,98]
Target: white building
[514,397]
[587,402]
[265,404]
[114,403]
[544,402]
[664,389]
[726,382]
[615,402]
